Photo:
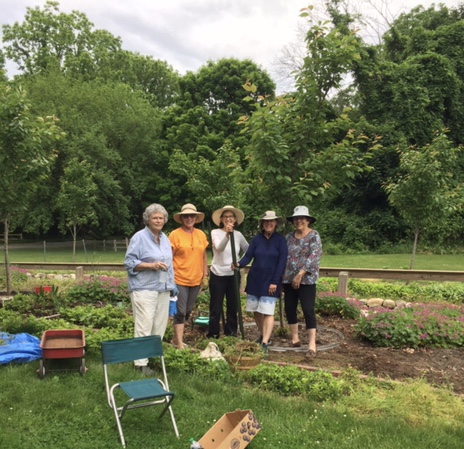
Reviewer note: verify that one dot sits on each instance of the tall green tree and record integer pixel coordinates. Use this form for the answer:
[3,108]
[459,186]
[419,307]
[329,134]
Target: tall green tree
[300,147]
[77,198]
[427,188]
[49,39]
[204,121]
[26,156]
[118,132]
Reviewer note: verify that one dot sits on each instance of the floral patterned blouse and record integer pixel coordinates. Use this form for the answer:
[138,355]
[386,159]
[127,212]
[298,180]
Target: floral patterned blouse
[303,254]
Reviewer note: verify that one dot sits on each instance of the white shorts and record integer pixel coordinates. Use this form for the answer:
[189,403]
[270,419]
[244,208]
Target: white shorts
[263,304]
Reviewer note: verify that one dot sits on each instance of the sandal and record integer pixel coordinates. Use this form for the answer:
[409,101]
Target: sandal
[297,344]
[310,354]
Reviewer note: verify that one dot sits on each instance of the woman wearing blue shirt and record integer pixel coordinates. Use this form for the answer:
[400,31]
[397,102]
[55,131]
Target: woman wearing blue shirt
[150,277]
[269,253]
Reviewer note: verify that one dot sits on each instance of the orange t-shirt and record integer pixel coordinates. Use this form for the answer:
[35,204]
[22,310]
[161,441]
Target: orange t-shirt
[188,255]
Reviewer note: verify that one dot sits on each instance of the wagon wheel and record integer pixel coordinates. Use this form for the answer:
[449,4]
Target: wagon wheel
[82,368]
[41,370]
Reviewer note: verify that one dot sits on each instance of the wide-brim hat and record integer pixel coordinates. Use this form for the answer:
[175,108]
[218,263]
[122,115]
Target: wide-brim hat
[271,215]
[301,211]
[239,215]
[189,209]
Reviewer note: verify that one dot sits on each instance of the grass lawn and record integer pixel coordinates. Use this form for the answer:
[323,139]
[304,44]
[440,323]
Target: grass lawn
[445,262]
[65,410]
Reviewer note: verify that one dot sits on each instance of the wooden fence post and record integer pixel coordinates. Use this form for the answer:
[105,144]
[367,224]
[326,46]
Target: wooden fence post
[343,283]
[79,273]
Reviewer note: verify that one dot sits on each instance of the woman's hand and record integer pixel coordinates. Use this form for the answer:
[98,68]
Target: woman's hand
[159,266]
[272,289]
[228,227]
[297,281]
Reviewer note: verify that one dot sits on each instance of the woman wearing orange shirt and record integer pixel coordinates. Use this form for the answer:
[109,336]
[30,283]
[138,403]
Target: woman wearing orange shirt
[190,265]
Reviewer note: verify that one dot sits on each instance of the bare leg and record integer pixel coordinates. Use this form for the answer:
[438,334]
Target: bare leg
[179,335]
[294,332]
[268,327]
[312,339]
[259,321]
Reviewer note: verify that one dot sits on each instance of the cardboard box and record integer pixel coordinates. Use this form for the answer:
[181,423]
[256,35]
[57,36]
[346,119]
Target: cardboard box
[233,431]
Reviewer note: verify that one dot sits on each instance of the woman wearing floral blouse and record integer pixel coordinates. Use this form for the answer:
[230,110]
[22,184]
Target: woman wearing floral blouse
[301,275]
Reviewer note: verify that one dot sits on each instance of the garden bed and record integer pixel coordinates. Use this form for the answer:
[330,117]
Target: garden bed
[441,367]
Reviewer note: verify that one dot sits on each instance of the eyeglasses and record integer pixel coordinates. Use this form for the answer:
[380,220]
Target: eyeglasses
[229,217]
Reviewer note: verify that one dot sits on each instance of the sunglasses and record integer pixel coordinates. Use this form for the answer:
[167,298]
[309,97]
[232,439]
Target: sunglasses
[189,215]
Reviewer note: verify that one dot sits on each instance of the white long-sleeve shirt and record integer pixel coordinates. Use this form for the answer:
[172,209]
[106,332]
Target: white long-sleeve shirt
[222,252]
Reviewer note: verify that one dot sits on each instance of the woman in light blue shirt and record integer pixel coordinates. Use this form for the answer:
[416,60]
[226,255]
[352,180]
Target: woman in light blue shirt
[150,277]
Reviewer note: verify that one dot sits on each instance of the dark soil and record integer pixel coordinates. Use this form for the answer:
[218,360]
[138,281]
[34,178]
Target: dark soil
[340,348]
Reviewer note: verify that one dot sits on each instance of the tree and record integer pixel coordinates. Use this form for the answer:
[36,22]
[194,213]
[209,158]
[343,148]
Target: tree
[50,40]
[204,122]
[118,132]
[427,188]
[77,200]
[300,148]
[25,156]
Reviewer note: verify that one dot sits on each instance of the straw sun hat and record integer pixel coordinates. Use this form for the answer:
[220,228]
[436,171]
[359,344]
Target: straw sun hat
[239,215]
[271,215]
[189,209]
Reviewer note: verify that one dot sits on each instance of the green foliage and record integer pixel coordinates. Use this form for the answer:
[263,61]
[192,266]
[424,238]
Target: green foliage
[421,325]
[38,305]
[103,289]
[452,292]
[191,362]
[308,148]
[292,381]
[332,304]
[427,186]
[95,317]
[14,323]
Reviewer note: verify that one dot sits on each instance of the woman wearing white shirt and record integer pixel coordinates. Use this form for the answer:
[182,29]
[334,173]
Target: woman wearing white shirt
[221,280]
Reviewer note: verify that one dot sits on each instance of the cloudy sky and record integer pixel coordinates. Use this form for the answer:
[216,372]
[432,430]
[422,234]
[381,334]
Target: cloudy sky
[188,33]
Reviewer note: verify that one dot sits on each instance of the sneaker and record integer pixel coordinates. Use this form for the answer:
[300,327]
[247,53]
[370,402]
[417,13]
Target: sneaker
[265,348]
[145,370]
[259,340]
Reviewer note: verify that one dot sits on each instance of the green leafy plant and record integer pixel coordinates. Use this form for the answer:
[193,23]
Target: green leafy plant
[102,289]
[421,325]
[293,381]
[333,304]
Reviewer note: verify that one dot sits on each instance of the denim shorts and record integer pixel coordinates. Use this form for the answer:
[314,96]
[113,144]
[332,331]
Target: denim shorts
[263,304]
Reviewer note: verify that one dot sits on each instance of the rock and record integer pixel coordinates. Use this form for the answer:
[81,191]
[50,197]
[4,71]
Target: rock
[389,304]
[375,302]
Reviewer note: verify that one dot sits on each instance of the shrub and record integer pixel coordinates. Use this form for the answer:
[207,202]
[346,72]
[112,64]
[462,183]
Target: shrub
[421,325]
[332,304]
[103,289]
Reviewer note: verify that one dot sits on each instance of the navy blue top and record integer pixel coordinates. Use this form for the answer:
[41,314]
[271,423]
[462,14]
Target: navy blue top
[269,259]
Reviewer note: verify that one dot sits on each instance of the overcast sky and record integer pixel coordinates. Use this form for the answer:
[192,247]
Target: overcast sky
[188,33]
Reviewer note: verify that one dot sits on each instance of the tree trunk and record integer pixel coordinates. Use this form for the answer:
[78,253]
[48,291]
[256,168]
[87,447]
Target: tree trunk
[7,259]
[414,247]
[74,235]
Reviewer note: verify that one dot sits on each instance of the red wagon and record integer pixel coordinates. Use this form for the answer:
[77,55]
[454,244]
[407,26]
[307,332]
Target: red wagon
[62,344]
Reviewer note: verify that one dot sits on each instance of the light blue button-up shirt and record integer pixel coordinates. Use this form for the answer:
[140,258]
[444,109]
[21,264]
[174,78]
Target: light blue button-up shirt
[143,248]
